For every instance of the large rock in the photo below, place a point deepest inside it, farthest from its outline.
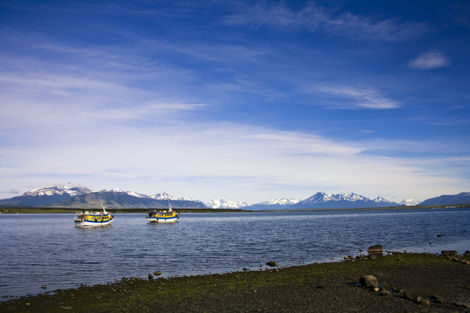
(376, 249)
(369, 281)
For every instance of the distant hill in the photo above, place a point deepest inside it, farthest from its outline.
(461, 198)
(81, 197)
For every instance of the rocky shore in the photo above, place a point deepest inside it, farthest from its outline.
(397, 282)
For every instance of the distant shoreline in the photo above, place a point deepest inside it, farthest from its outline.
(54, 210)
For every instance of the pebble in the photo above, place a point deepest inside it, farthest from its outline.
(271, 263)
(369, 281)
(157, 273)
(449, 253)
(438, 299)
(375, 249)
(463, 304)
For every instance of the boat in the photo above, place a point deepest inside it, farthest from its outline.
(162, 216)
(93, 218)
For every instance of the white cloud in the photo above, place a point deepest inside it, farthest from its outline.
(361, 97)
(315, 18)
(429, 60)
(205, 161)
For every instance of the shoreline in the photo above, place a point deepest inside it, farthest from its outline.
(55, 210)
(405, 280)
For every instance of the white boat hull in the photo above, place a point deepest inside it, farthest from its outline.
(162, 219)
(94, 224)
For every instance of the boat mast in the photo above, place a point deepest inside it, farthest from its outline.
(102, 206)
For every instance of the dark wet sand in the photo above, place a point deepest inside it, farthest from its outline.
(327, 287)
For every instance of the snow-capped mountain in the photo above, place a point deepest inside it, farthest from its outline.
(162, 196)
(46, 196)
(409, 202)
(281, 201)
(225, 204)
(81, 197)
(58, 190)
(341, 200)
(127, 192)
(273, 204)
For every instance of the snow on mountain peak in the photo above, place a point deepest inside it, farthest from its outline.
(225, 204)
(163, 196)
(58, 190)
(321, 197)
(127, 192)
(409, 202)
(281, 201)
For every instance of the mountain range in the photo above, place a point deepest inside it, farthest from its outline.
(82, 197)
(461, 198)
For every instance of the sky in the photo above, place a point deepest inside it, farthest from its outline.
(244, 100)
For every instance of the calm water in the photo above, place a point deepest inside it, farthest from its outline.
(49, 250)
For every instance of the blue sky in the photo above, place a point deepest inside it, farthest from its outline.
(242, 100)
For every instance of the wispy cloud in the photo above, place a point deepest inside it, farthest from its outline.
(429, 60)
(316, 18)
(359, 98)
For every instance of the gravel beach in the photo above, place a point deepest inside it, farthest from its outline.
(403, 283)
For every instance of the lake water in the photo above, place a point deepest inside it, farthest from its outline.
(48, 250)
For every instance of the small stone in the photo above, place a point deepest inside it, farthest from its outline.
(271, 263)
(419, 299)
(463, 304)
(150, 276)
(376, 289)
(425, 301)
(157, 273)
(376, 249)
(407, 295)
(369, 281)
(438, 299)
(449, 253)
(43, 287)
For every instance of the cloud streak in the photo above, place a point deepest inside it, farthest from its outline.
(315, 18)
(363, 98)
